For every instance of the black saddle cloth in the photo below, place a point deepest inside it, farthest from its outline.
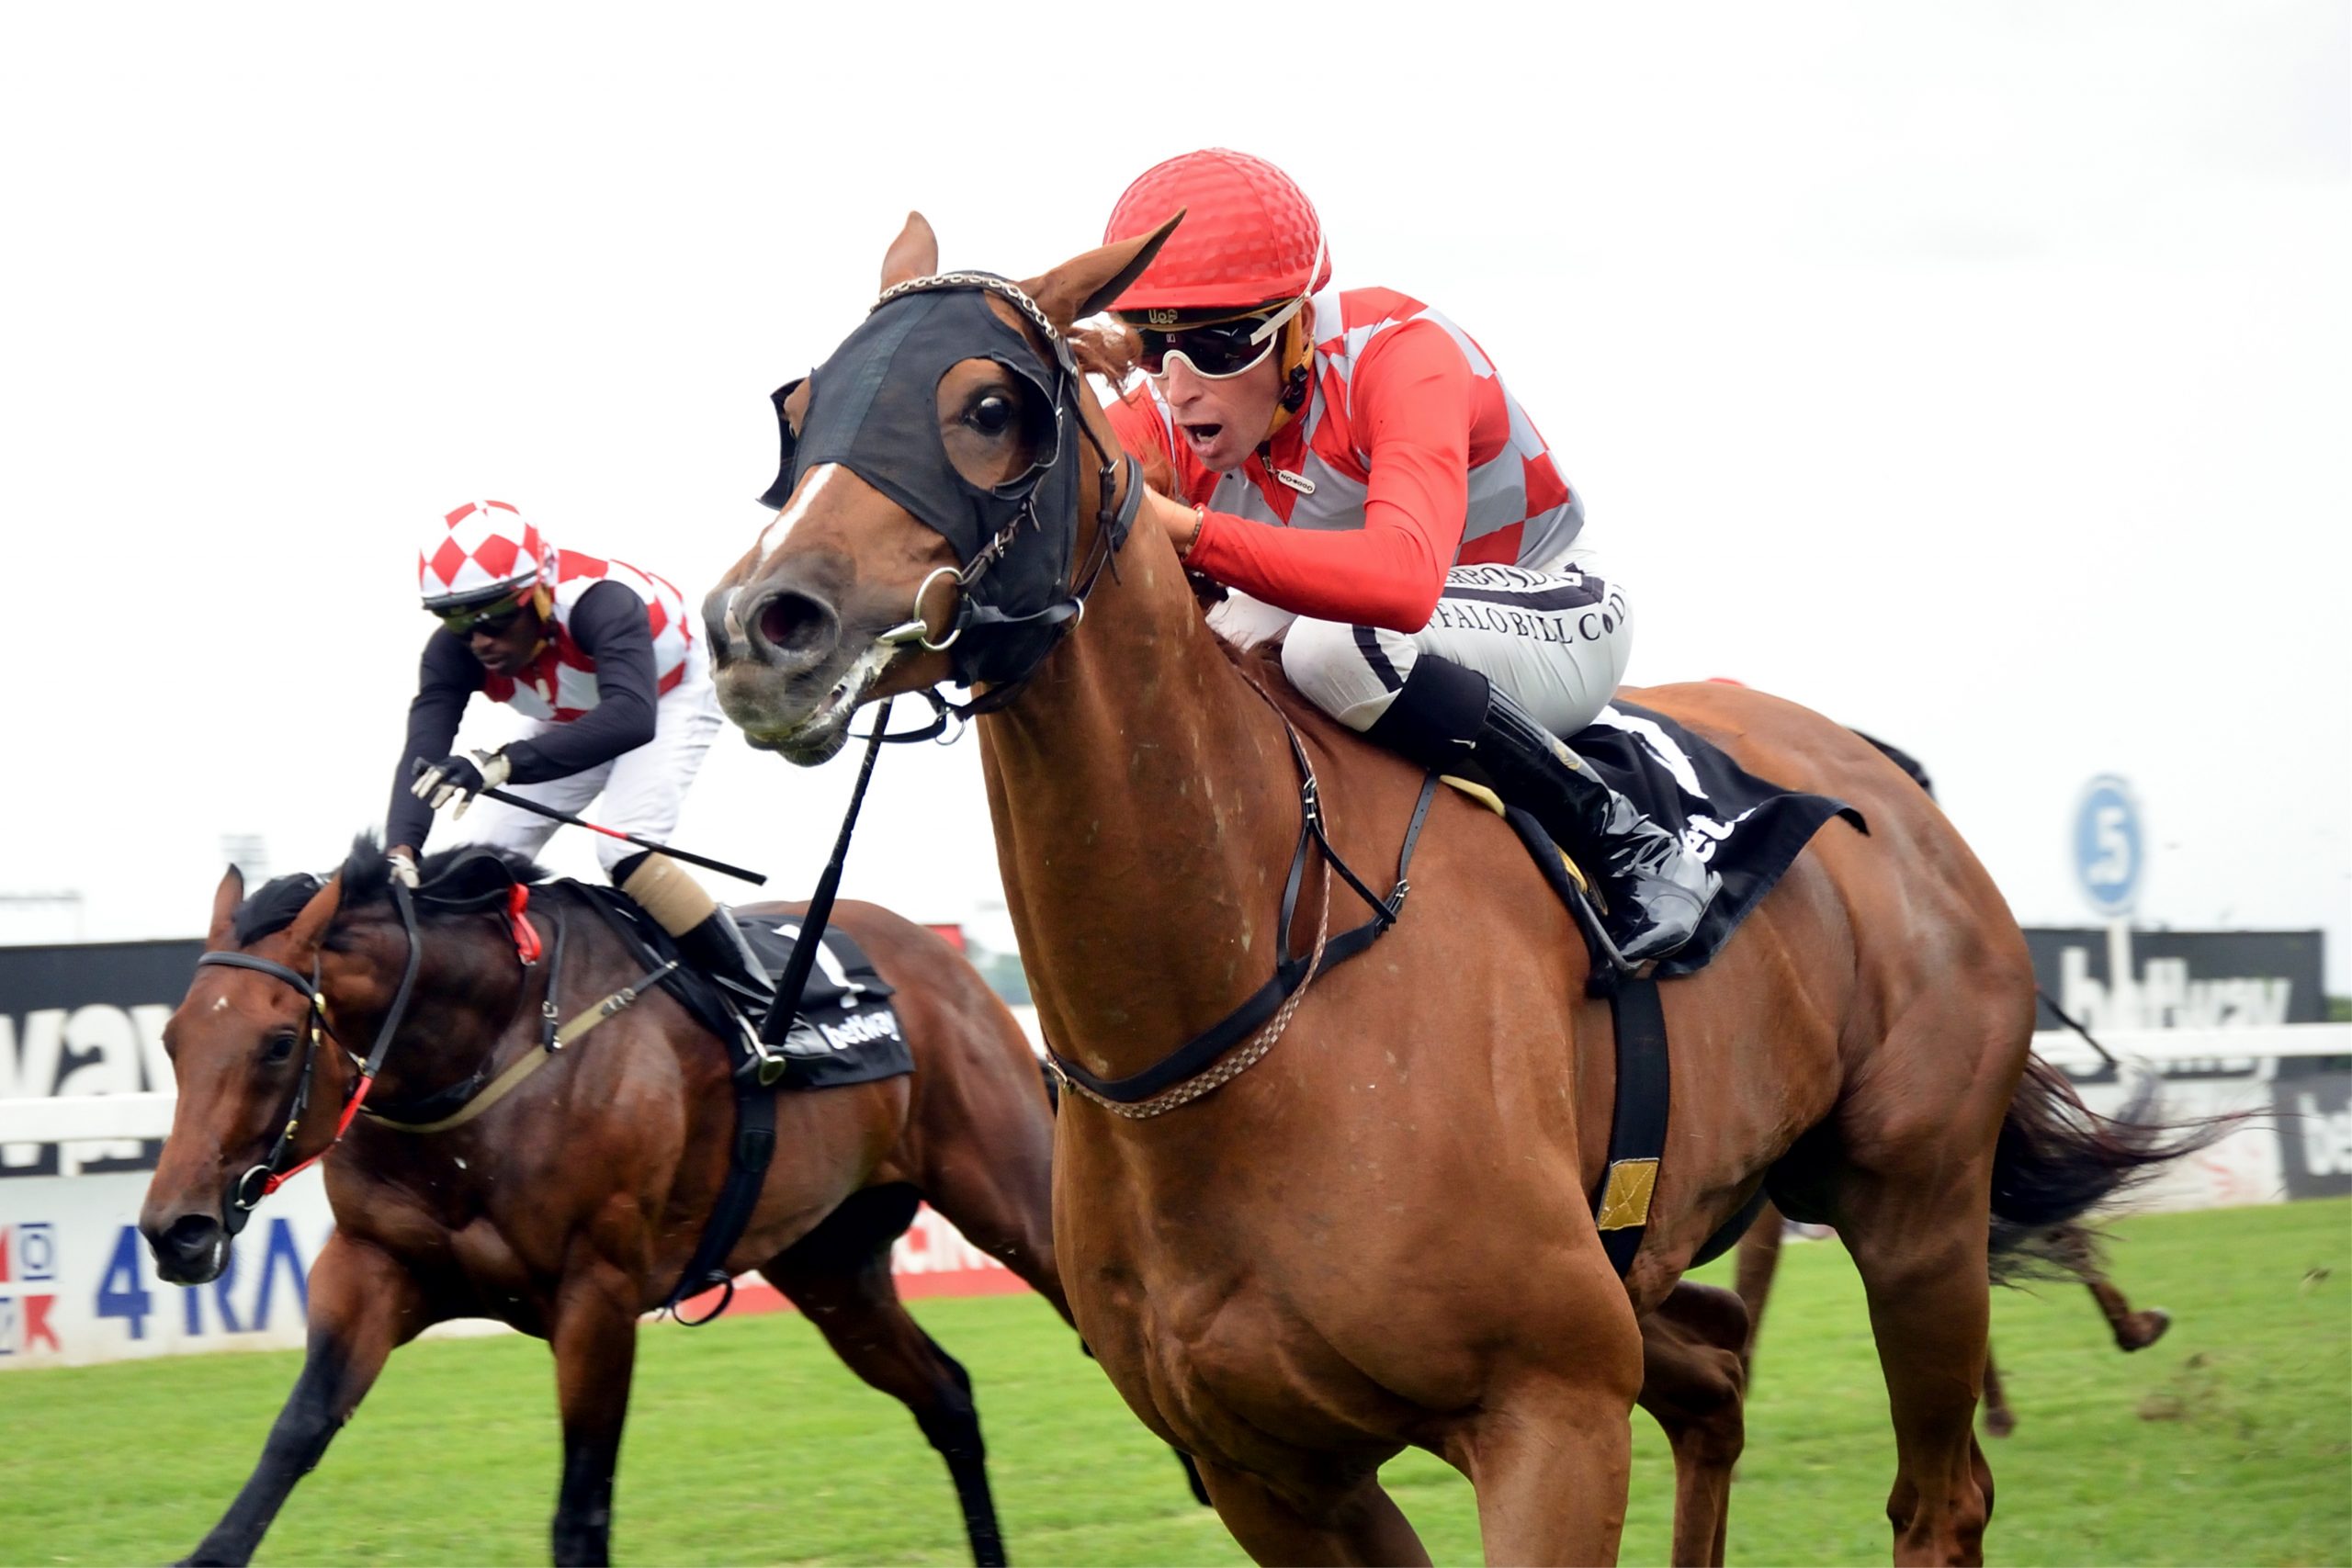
(1748, 830)
(845, 1031)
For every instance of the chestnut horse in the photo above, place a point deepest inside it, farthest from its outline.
(1381, 1232)
(572, 1205)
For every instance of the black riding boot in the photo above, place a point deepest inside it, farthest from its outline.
(1452, 718)
(716, 948)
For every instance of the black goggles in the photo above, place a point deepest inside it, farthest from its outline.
(1213, 350)
(492, 618)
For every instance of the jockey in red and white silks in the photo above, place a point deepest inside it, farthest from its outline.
(602, 657)
(1350, 464)
(1358, 557)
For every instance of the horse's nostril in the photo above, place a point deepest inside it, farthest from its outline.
(191, 1234)
(792, 622)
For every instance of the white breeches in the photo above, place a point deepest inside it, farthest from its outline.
(1556, 641)
(642, 790)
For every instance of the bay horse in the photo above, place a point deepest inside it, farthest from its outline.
(572, 1205)
(1380, 1234)
(2069, 1249)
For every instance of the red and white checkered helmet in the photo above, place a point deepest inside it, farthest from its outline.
(484, 552)
(1250, 235)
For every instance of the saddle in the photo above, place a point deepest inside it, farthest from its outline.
(1746, 829)
(844, 1030)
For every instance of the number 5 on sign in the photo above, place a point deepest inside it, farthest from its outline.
(2110, 846)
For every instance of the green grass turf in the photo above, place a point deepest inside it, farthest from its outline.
(2229, 1441)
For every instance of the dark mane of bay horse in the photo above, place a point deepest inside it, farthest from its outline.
(366, 879)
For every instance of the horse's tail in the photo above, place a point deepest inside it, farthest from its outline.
(2057, 1160)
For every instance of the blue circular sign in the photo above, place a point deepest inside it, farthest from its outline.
(2110, 846)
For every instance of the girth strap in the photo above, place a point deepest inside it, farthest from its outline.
(1637, 1123)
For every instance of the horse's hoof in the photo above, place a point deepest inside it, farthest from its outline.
(2147, 1326)
(1999, 1423)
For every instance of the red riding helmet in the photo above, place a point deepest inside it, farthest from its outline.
(1250, 235)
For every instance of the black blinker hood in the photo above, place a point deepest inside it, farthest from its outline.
(872, 409)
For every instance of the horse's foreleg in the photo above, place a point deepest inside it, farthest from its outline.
(858, 1311)
(1549, 1457)
(595, 1352)
(1693, 1386)
(362, 1304)
(1358, 1524)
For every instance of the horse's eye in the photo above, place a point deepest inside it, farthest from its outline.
(280, 1047)
(992, 415)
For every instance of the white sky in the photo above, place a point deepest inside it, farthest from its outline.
(1978, 374)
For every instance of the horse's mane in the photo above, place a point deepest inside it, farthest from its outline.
(272, 906)
(366, 879)
(1106, 346)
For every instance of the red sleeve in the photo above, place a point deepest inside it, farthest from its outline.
(1412, 399)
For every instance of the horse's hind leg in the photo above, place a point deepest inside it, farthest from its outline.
(856, 1306)
(1360, 1523)
(1999, 1419)
(1921, 1256)
(363, 1303)
(995, 1185)
(2132, 1330)
(1759, 1258)
(1693, 1385)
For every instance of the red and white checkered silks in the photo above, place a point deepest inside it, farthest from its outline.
(561, 684)
(1521, 513)
(482, 550)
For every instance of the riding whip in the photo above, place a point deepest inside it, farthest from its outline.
(552, 815)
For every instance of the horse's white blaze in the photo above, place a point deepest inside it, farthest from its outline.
(777, 532)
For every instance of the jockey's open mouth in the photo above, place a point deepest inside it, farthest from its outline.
(1202, 436)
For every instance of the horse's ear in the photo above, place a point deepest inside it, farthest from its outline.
(1083, 285)
(225, 900)
(311, 923)
(914, 254)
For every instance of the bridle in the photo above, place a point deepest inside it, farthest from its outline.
(1117, 507)
(1115, 515)
(260, 1180)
